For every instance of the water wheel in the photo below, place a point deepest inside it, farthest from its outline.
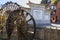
(21, 19)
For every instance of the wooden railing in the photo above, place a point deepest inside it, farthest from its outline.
(52, 33)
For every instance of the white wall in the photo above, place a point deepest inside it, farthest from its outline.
(40, 14)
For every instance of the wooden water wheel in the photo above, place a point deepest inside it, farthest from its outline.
(21, 19)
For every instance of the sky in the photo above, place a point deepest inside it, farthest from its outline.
(21, 2)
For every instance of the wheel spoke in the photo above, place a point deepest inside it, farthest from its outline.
(24, 35)
(29, 20)
(26, 15)
(21, 34)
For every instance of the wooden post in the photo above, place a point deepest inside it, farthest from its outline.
(49, 34)
(56, 35)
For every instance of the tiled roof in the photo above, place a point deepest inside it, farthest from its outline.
(32, 2)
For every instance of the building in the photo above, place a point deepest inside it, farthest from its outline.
(40, 13)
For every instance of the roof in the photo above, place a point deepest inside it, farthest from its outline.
(25, 7)
(32, 3)
(35, 3)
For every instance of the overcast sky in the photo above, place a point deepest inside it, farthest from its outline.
(21, 2)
